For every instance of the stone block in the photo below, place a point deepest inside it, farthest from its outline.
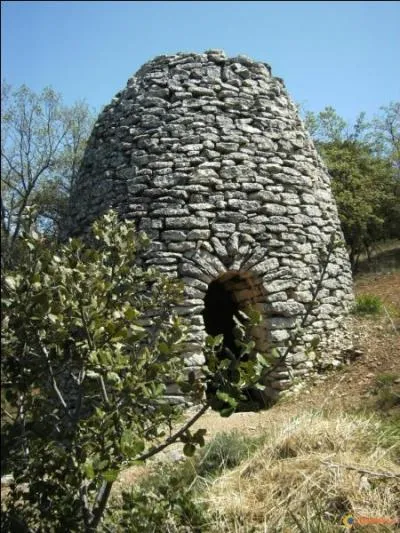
(288, 309)
(185, 223)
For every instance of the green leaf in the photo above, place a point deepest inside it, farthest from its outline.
(262, 359)
(138, 447)
(274, 353)
(10, 282)
(164, 348)
(198, 437)
(110, 475)
(41, 299)
(131, 313)
(88, 468)
(227, 411)
(214, 342)
(104, 357)
(189, 449)
(113, 377)
(225, 397)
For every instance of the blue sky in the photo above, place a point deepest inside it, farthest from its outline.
(344, 54)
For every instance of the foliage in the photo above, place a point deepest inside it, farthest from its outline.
(87, 376)
(89, 341)
(385, 134)
(364, 164)
(161, 502)
(42, 144)
(225, 451)
(364, 190)
(167, 499)
(326, 126)
(368, 304)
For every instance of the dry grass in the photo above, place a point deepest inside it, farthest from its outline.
(294, 483)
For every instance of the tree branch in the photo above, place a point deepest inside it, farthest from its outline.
(104, 493)
(390, 320)
(100, 505)
(104, 391)
(53, 379)
(8, 414)
(175, 436)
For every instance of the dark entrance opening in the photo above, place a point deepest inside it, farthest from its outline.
(226, 296)
(219, 310)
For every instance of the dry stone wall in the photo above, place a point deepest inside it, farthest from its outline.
(208, 154)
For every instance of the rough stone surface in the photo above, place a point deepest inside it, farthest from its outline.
(208, 154)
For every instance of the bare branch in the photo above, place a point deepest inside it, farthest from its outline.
(103, 390)
(175, 436)
(13, 418)
(53, 379)
(390, 320)
(104, 493)
(35, 146)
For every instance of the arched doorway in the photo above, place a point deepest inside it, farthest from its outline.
(228, 294)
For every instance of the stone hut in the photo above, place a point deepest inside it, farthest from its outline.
(208, 154)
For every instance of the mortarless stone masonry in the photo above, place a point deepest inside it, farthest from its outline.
(208, 154)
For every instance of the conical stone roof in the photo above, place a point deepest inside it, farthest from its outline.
(210, 157)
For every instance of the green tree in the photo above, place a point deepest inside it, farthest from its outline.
(42, 142)
(326, 126)
(385, 134)
(363, 161)
(363, 187)
(89, 342)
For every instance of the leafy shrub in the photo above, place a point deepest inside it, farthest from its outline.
(166, 500)
(225, 451)
(161, 503)
(368, 304)
(88, 377)
(89, 341)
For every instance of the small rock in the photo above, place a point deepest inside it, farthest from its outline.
(176, 455)
(364, 483)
